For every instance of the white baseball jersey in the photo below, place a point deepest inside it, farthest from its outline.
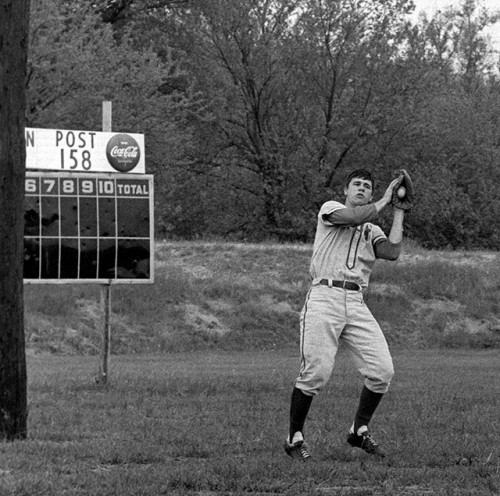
(344, 253)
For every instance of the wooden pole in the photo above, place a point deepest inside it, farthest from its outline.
(105, 288)
(106, 333)
(14, 405)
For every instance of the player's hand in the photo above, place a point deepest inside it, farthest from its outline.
(386, 199)
(388, 192)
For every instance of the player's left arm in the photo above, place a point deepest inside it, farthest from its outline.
(390, 248)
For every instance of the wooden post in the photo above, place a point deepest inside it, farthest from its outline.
(105, 288)
(106, 333)
(14, 23)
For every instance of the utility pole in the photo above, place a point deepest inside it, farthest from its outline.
(14, 30)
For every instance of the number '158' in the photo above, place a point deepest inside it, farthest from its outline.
(73, 159)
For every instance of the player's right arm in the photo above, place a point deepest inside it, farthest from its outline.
(346, 216)
(336, 214)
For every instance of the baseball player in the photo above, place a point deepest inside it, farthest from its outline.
(346, 247)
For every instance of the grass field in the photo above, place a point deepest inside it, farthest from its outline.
(213, 422)
(202, 370)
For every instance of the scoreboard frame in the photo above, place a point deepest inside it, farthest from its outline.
(91, 227)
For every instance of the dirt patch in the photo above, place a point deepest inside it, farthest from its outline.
(203, 321)
(388, 290)
(270, 303)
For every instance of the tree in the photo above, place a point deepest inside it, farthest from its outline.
(245, 81)
(14, 22)
(297, 88)
(76, 62)
(456, 38)
(117, 12)
(254, 109)
(451, 140)
(346, 52)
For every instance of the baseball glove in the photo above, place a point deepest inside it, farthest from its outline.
(406, 201)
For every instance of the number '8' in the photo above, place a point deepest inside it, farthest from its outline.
(68, 186)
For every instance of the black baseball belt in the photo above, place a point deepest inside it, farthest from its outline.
(351, 286)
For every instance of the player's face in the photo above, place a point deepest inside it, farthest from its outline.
(359, 192)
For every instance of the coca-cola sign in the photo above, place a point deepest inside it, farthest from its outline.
(123, 152)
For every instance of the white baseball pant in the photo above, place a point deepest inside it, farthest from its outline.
(331, 315)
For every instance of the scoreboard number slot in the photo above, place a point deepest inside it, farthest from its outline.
(88, 227)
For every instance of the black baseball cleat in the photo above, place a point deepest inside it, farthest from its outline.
(298, 449)
(364, 441)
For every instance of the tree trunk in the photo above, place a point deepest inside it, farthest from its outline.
(14, 24)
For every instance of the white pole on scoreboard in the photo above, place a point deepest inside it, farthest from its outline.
(105, 288)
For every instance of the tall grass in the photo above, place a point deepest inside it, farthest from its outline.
(474, 287)
(237, 296)
(441, 300)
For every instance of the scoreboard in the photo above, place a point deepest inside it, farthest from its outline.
(88, 227)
